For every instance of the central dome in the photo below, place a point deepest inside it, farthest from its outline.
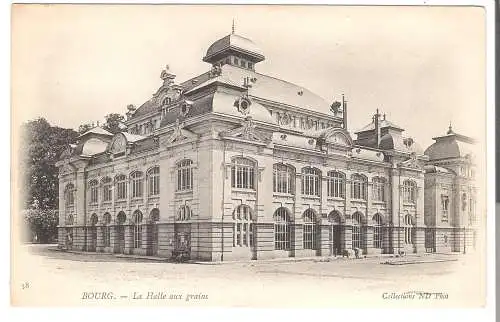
(234, 44)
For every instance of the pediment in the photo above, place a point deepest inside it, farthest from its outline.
(247, 132)
(337, 136)
(412, 162)
(179, 134)
(118, 144)
(67, 169)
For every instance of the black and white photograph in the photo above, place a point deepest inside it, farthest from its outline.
(256, 156)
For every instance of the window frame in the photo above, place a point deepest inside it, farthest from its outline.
(184, 175)
(107, 189)
(311, 182)
(184, 213)
(336, 182)
(121, 187)
(243, 226)
(378, 231)
(69, 195)
(379, 189)
(359, 187)
(310, 230)
(408, 229)
(282, 229)
(107, 229)
(153, 181)
(137, 184)
(409, 191)
(93, 192)
(137, 224)
(283, 179)
(243, 171)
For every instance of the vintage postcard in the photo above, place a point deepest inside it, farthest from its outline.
(259, 156)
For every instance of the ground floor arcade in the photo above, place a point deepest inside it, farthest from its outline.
(223, 241)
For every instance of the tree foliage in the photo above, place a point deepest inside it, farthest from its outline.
(40, 148)
(42, 224)
(114, 123)
(85, 127)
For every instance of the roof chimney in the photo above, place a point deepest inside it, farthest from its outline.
(377, 128)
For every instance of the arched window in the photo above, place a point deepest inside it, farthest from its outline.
(107, 229)
(121, 218)
(408, 229)
(137, 229)
(137, 184)
(358, 234)
(377, 231)
(94, 191)
(281, 229)
(70, 220)
(336, 184)
(69, 195)
(243, 226)
(311, 232)
(242, 173)
(154, 215)
(379, 189)
(184, 213)
(121, 187)
(154, 181)
(409, 191)
(107, 189)
(185, 175)
(311, 181)
(283, 178)
(358, 187)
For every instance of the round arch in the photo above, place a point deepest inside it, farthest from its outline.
(336, 218)
(94, 219)
(121, 218)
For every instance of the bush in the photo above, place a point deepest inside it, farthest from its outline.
(42, 224)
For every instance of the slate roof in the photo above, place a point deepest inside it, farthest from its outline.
(96, 130)
(237, 43)
(382, 124)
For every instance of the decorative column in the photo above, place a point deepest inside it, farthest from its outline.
(346, 239)
(419, 241)
(129, 239)
(369, 224)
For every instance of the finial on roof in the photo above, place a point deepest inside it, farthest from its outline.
(232, 29)
(450, 130)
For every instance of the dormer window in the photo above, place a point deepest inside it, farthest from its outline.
(166, 101)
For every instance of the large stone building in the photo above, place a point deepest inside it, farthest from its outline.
(234, 164)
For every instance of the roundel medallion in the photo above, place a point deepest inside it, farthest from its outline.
(243, 105)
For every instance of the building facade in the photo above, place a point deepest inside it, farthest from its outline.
(234, 164)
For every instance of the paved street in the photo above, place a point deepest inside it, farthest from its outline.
(58, 278)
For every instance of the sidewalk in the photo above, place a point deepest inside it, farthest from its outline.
(389, 259)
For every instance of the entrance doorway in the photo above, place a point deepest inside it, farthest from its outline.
(335, 233)
(120, 232)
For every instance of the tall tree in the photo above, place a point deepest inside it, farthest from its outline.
(114, 123)
(85, 127)
(40, 148)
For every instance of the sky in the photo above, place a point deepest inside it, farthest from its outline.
(422, 66)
